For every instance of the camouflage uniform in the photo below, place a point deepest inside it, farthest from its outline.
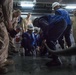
(4, 38)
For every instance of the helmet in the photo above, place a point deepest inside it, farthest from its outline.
(36, 29)
(55, 4)
(30, 27)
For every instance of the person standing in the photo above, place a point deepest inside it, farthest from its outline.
(62, 12)
(15, 16)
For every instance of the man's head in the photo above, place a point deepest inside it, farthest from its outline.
(36, 22)
(55, 5)
(36, 29)
(30, 28)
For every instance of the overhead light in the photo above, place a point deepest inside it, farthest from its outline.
(27, 5)
(70, 7)
(34, 1)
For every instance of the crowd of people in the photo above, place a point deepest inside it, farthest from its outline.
(38, 37)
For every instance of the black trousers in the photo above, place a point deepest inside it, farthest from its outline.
(54, 34)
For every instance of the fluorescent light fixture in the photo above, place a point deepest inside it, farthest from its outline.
(34, 1)
(27, 5)
(70, 7)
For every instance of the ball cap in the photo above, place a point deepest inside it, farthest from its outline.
(55, 4)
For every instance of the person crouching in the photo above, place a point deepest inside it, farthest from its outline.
(28, 40)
